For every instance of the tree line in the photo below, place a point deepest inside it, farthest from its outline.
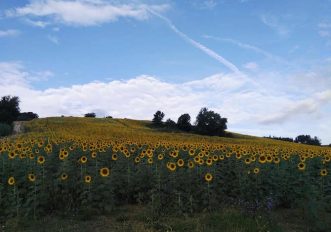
(207, 122)
(303, 139)
(10, 112)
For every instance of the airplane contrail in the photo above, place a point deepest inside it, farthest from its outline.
(198, 45)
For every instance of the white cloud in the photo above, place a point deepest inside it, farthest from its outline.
(251, 66)
(82, 13)
(9, 33)
(37, 23)
(53, 39)
(273, 22)
(260, 110)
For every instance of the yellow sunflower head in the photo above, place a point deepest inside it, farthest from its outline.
(104, 172)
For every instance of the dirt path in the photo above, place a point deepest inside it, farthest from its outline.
(18, 127)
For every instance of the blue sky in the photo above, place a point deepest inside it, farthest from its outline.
(266, 65)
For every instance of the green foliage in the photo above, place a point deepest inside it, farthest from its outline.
(5, 129)
(184, 122)
(170, 124)
(158, 117)
(27, 116)
(210, 123)
(9, 109)
(307, 139)
(90, 115)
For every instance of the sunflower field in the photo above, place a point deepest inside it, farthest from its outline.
(74, 164)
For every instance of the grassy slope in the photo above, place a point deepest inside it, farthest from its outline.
(138, 127)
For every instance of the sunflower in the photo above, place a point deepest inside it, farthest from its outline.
(65, 154)
(160, 157)
(256, 170)
(83, 159)
(208, 177)
(221, 157)
(41, 159)
(209, 162)
(137, 159)
(323, 172)
(114, 156)
(87, 179)
(94, 155)
(269, 158)
(11, 180)
(247, 161)
(171, 166)
(238, 155)
(11, 155)
(215, 157)
(150, 160)
(301, 166)
(104, 172)
(180, 163)
(32, 177)
(262, 159)
(61, 156)
(190, 164)
(64, 176)
(191, 152)
(276, 160)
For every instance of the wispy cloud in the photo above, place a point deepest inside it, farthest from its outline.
(37, 23)
(251, 66)
(53, 39)
(248, 47)
(198, 45)
(324, 31)
(9, 33)
(82, 13)
(273, 22)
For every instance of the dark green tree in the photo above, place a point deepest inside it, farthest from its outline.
(9, 109)
(158, 117)
(210, 123)
(90, 115)
(307, 139)
(26, 116)
(184, 122)
(171, 124)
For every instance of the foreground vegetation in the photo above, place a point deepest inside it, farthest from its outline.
(68, 166)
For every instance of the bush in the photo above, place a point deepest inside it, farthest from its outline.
(5, 129)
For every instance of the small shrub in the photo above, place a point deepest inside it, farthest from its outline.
(5, 129)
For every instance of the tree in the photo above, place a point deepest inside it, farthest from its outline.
(9, 109)
(170, 124)
(184, 122)
(158, 117)
(90, 115)
(307, 139)
(210, 123)
(26, 116)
